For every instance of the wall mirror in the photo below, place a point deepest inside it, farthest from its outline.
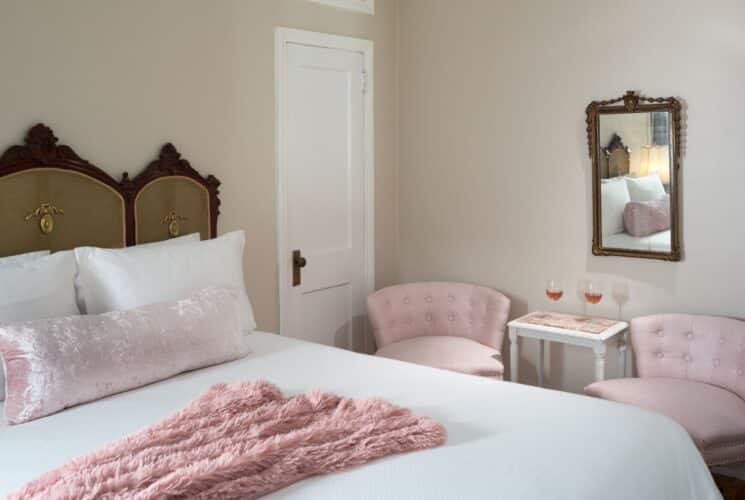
(634, 145)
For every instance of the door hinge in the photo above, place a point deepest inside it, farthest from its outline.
(364, 82)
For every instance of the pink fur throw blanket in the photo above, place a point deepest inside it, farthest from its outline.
(241, 440)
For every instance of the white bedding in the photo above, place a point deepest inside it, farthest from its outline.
(655, 242)
(506, 441)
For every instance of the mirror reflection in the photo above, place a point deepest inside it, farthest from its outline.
(635, 166)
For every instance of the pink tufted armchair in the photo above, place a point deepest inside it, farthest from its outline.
(692, 369)
(452, 326)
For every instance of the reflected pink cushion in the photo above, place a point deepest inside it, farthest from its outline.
(642, 218)
(56, 363)
(714, 417)
(449, 353)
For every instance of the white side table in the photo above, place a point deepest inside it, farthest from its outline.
(583, 331)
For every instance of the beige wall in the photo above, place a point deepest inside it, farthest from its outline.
(117, 79)
(494, 171)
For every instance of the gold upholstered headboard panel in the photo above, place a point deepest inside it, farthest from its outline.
(170, 199)
(52, 199)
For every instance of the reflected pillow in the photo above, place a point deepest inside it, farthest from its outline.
(56, 363)
(647, 217)
(647, 188)
(613, 199)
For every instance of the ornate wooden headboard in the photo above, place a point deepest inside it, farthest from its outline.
(52, 199)
(616, 156)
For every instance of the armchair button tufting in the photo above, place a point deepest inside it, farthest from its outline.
(721, 340)
(690, 336)
(451, 299)
(428, 298)
(451, 317)
(406, 300)
(428, 317)
(660, 333)
(660, 355)
(740, 371)
(687, 358)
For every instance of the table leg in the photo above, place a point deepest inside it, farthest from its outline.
(539, 363)
(599, 362)
(514, 354)
(622, 349)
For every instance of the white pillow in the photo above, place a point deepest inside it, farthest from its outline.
(647, 188)
(120, 279)
(605, 180)
(22, 258)
(40, 288)
(173, 241)
(613, 199)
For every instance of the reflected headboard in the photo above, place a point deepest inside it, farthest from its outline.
(52, 199)
(616, 158)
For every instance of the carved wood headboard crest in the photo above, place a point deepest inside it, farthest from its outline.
(52, 199)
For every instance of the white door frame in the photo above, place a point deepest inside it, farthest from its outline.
(283, 37)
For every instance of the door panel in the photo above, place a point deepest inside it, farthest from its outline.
(325, 205)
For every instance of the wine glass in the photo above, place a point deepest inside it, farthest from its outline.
(554, 291)
(593, 293)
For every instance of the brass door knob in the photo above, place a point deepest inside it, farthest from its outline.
(298, 262)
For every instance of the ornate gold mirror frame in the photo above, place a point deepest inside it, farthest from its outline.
(632, 102)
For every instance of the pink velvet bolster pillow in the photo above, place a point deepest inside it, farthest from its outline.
(56, 363)
(642, 218)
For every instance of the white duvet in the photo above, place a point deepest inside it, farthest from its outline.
(506, 441)
(655, 242)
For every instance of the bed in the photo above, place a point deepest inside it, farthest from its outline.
(655, 242)
(505, 440)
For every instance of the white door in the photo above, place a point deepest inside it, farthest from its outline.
(322, 192)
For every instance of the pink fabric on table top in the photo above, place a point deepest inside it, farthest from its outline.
(714, 417)
(702, 348)
(575, 322)
(56, 363)
(642, 218)
(438, 309)
(242, 440)
(449, 353)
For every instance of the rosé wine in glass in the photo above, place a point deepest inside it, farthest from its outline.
(593, 294)
(554, 291)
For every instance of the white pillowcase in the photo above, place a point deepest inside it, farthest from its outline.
(613, 198)
(22, 258)
(173, 241)
(121, 279)
(647, 188)
(39, 288)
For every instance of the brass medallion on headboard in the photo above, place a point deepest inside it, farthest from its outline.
(170, 198)
(52, 199)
